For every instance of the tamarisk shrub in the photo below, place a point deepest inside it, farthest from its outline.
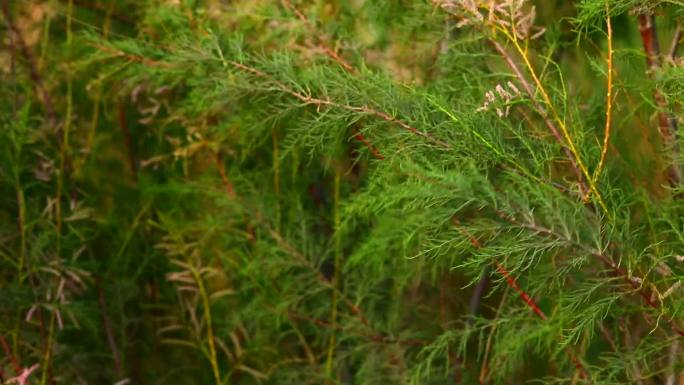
(341, 192)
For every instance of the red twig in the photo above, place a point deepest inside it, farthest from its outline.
(107, 324)
(523, 295)
(513, 284)
(667, 124)
(224, 176)
(373, 150)
(8, 352)
(230, 191)
(126, 132)
(637, 283)
(501, 270)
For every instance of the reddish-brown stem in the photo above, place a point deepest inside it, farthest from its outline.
(123, 125)
(504, 273)
(667, 124)
(373, 150)
(224, 176)
(513, 284)
(230, 191)
(638, 284)
(107, 325)
(8, 352)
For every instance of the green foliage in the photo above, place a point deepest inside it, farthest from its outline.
(264, 192)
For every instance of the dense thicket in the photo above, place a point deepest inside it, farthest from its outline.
(341, 192)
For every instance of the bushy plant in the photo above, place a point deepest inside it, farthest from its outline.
(341, 192)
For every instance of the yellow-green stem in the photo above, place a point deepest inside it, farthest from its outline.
(47, 357)
(64, 150)
(213, 360)
(22, 231)
(556, 117)
(336, 273)
(276, 175)
(609, 98)
(98, 85)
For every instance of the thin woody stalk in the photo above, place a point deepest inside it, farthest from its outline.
(213, 359)
(64, 144)
(529, 301)
(667, 124)
(638, 284)
(230, 192)
(537, 107)
(566, 140)
(336, 273)
(505, 19)
(332, 54)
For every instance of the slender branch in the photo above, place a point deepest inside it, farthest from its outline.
(672, 363)
(318, 36)
(529, 301)
(513, 284)
(540, 110)
(667, 124)
(638, 284)
(629, 344)
(107, 325)
(674, 45)
(308, 99)
(213, 360)
(336, 273)
(8, 352)
(535, 308)
(322, 279)
(301, 258)
(47, 355)
(566, 141)
(478, 292)
(609, 98)
(128, 141)
(336, 58)
(484, 371)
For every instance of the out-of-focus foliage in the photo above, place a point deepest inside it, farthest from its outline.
(315, 192)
